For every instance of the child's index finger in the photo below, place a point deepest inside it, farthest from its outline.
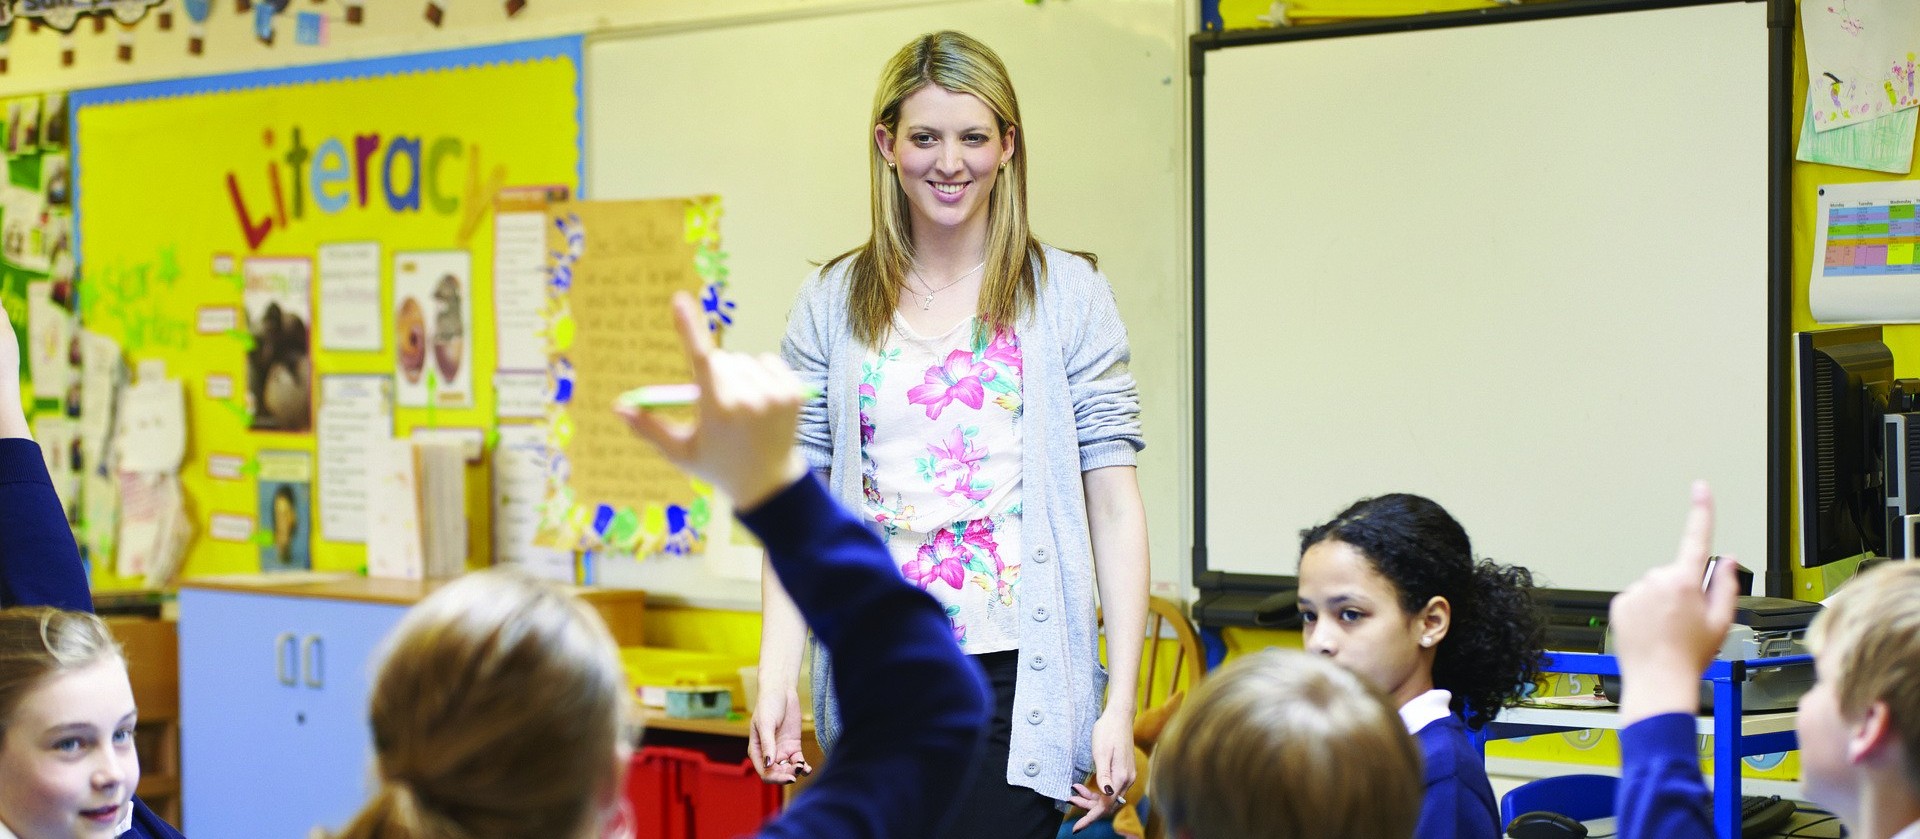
(1696, 540)
(692, 324)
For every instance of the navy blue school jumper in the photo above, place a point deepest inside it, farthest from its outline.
(40, 565)
(1459, 800)
(913, 709)
(1661, 790)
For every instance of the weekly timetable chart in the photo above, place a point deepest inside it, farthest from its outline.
(1866, 265)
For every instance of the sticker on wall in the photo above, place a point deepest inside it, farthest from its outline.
(197, 12)
(263, 16)
(310, 29)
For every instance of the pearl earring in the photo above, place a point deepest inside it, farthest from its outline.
(1426, 642)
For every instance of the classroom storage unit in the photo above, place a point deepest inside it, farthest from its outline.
(693, 786)
(274, 686)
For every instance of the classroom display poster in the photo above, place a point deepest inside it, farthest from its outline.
(1866, 260)
(286, 512)
(1861, 59)
(279, 305)
(614, 268)
(260, 233)
(432, 328)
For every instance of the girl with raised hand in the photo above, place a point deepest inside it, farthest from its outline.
(66, 707)
(68, 766)
(1390, 589)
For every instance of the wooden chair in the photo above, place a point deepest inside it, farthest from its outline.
(1171, 658)
(1171, 663)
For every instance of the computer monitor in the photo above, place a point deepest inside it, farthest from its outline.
(1841, 381)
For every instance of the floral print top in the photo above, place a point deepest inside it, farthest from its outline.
(940, 459)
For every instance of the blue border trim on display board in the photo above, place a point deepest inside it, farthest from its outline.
(569, 47)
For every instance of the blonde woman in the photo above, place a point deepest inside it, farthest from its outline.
(979, 413)
(499, 710)
(1283, 744)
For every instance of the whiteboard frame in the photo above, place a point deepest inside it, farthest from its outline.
(1228, 598)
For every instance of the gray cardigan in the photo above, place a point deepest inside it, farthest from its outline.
(1072, 337)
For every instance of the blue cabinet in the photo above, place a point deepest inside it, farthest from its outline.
(273, 710)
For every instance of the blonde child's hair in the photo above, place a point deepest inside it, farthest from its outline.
(1282, 744)
(1868, 643)
(956, 62)
(496, 714)
(38, 643)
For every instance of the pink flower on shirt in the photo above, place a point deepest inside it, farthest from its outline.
(979, 536)
(955, 464)
(1004, 349)
(941, 559)
(960, 378)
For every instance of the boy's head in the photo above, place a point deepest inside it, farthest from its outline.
(1283, 744)
(1861, 721)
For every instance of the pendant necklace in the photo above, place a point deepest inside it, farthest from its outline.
(926, 299)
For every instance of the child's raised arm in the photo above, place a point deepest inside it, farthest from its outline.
(39, 562)
(914, 706)
(1667, 628)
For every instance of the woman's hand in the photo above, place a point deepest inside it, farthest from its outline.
(1113, 768)
(773, 738)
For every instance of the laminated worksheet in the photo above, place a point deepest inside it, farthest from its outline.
(1866, 266)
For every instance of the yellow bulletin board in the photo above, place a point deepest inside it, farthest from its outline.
(201, 202)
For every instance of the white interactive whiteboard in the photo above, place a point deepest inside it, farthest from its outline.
(770, 113)
(1518, 267)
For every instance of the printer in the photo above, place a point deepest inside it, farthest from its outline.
(1763, 627)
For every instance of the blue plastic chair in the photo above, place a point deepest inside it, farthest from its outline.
(1578, 797)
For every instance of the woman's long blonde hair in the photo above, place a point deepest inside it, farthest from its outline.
(955, 62)
(496, 715)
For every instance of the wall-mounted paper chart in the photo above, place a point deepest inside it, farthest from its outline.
(1866, 262)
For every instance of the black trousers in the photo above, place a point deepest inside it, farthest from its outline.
(987, 807)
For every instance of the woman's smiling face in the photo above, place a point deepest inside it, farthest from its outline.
(947, 152)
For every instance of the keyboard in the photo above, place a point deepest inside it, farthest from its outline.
(1763, 815)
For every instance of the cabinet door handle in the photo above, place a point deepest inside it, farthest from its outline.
(313, 653)
(283, 658)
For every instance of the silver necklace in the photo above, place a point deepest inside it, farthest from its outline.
(926, 299)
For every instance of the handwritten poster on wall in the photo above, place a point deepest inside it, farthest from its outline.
(324, 197)
(614, 269)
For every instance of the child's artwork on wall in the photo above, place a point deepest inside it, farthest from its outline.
(23, 125)
(1860, 59)
(433, 328)
(279, 301)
